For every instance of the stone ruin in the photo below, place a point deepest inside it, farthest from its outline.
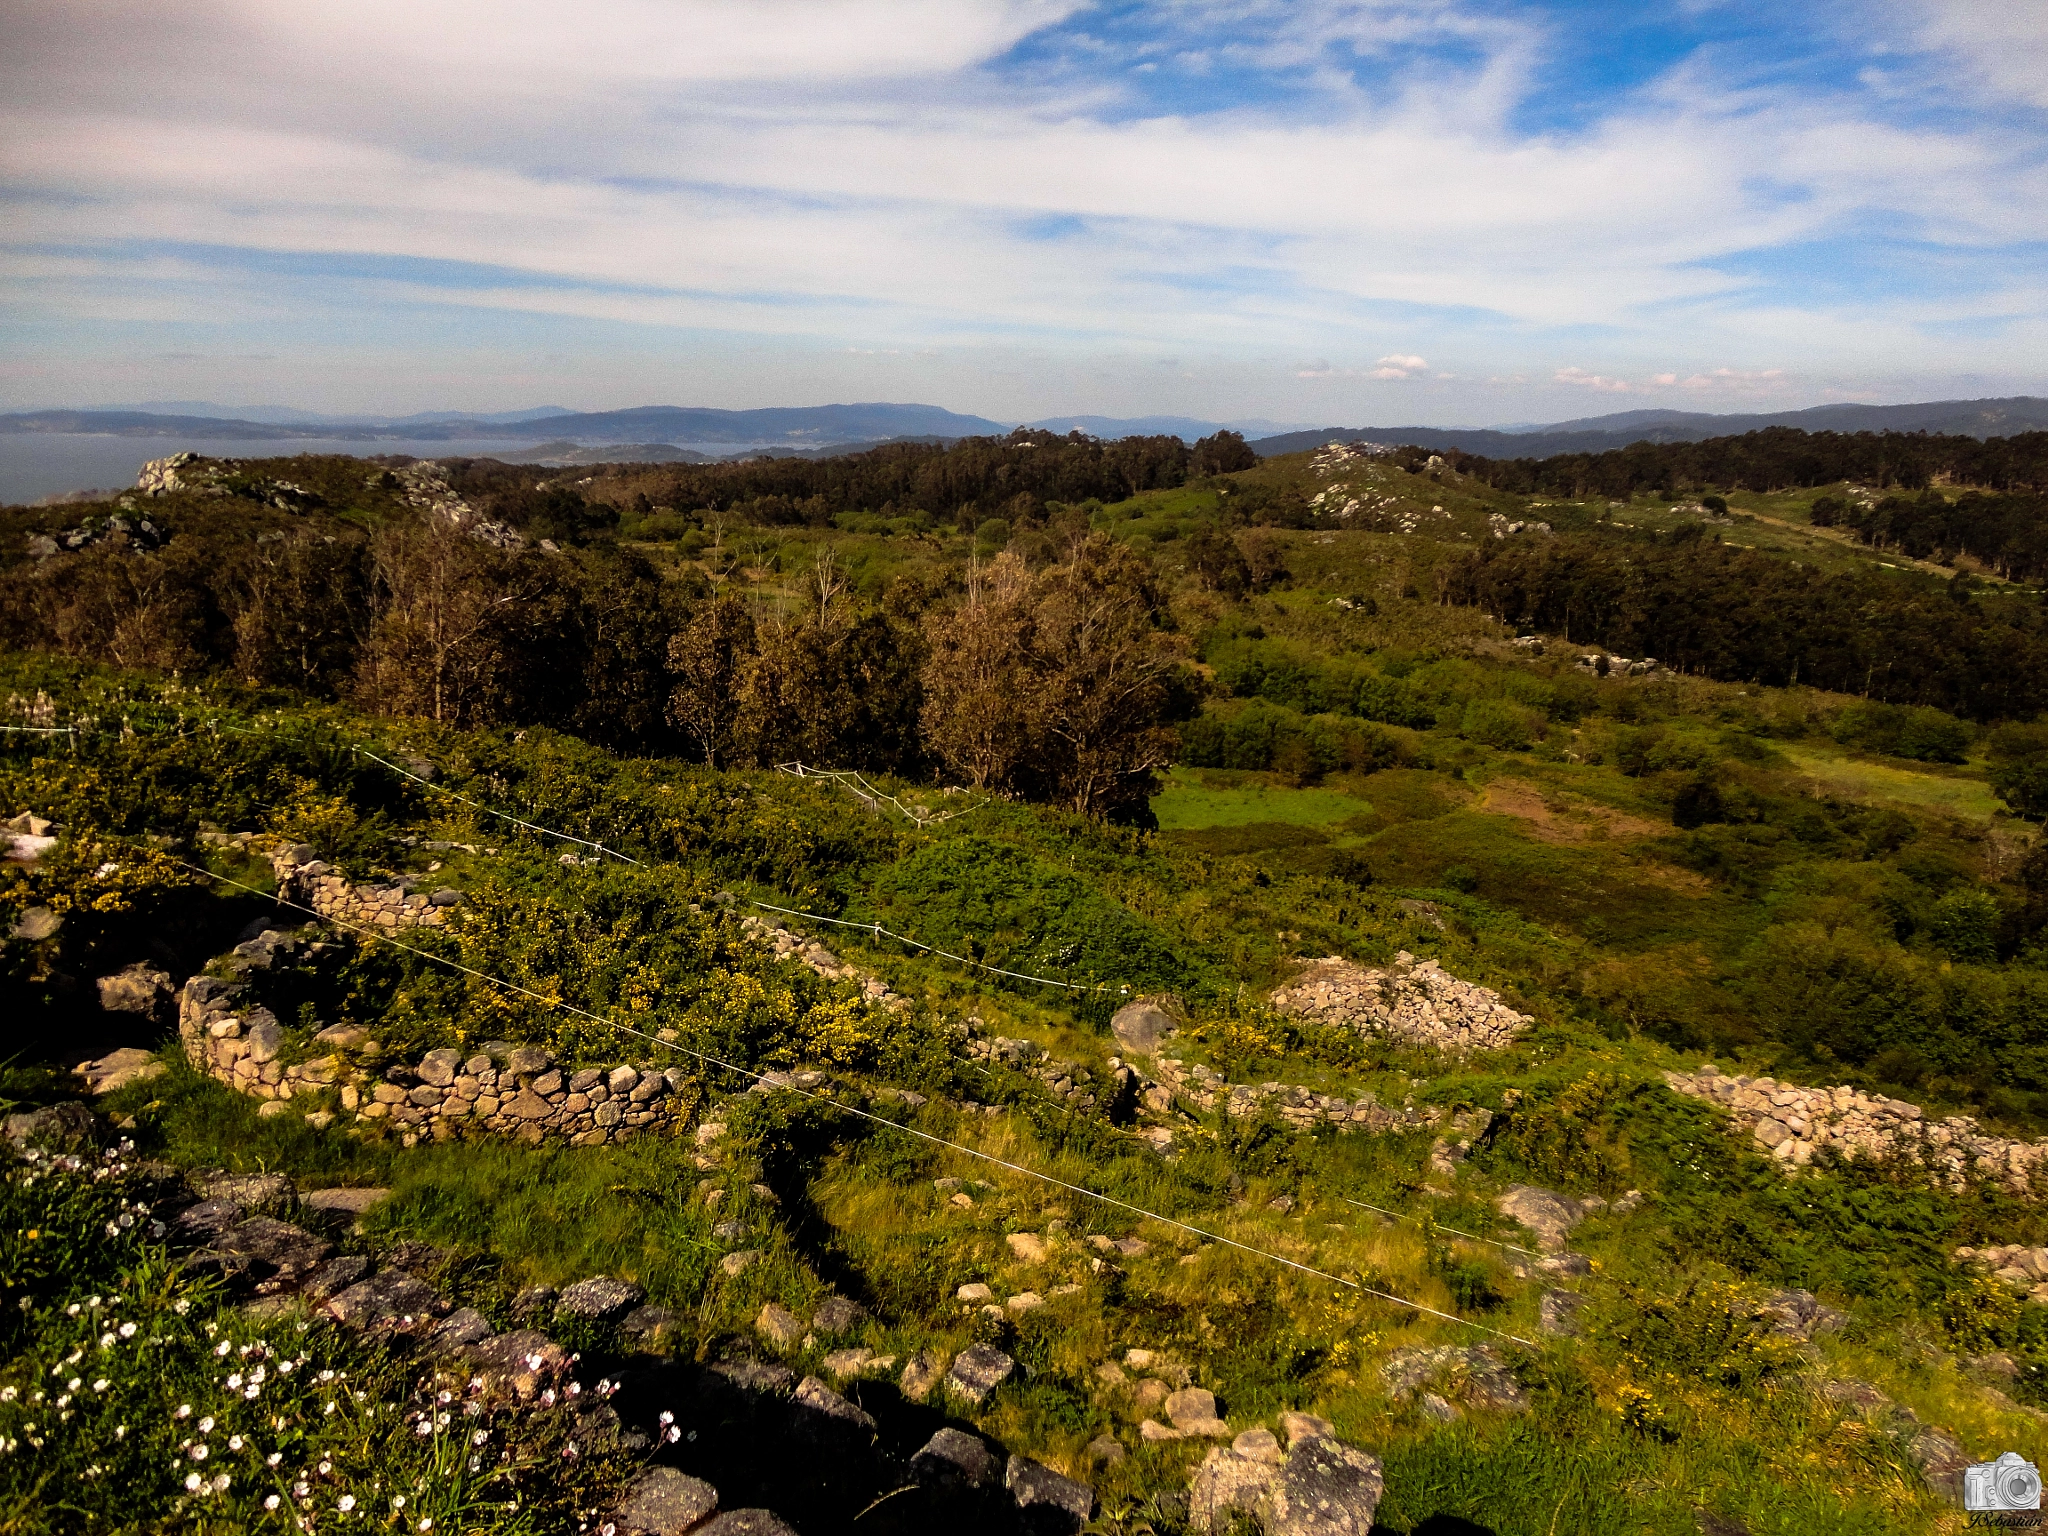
(1793, 1123)
(1417, 1001)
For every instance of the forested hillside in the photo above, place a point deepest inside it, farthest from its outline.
(1188, 976)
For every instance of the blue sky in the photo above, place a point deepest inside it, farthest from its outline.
(1332, 211)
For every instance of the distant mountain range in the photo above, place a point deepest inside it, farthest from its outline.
(669, 431)
(1596, 434)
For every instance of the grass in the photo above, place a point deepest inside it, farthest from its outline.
(1197, 798)
(1956, 793)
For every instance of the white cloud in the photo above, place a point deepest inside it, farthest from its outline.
(856, 170)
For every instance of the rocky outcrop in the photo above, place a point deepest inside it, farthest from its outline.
(1792, 1124)
(425, 487)
(1448, 1380)
(1318, 1486)
(1417, 1001)
(119, 531)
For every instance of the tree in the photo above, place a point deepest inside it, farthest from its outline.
(979, 707)
(300, 606)
(1226, 453)
(709, 658)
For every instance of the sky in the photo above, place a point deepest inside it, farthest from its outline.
(1329, 212)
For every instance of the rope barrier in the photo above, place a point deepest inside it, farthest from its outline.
(777, 1081)
(916, 813)
(880, 932)
(1404, 1216)
(488, 811)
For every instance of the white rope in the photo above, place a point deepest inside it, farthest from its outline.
(880, 932)
(916, 813)
(780, 1082)
(566, 837)
(1404, 1216)
(42, 730)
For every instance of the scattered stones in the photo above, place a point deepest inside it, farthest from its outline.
(746, 1522)
(1798, 1315)
(778, 1325)
(827, 1413)
(738, 1262)
(974, 1293)
(1028, 1247)
(979, 1370)
(54, 1125)
(141, 989)
(35, 923)
(664, 1502)
(1416, 1000)
(352, 1202)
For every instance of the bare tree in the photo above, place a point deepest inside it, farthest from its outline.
(710, 658)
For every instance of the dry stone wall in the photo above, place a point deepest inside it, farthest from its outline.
(497, 1088)
(1416, 1000)
(1793, 1123)
(313, 882)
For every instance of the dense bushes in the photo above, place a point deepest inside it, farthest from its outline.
(2009, 534)
(1258, 735)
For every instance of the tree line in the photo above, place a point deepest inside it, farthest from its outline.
(2006, 534)
(1060, 683)
(1729, 613)
(1774, 459)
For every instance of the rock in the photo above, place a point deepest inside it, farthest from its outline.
(460, 1330)
(118, 1069)
(1474, 1376)
(274, 1247)
(1305, 1426)
(263, 1035)
(1151, 1431)
(1025, 1301)
(1193, 1412)
(746, 1522)
(54, 1125)
(1415, 1000)
(1105, 1451)
(648, 1328)
(1139, 1027)
(251, 1191)
(738, 1262)
(1226, 1486)
(778, 1325)
(337, 1274)
(836, 1315)
(1324, 1488)
(35, 925)
(439, 1068)
(1260, 1445)
(974, 1291)
(518, 1363)
(825, 1412)
(528, 1060)
(1859, 1396)
(1940, 1460)
(1048, 1503)
(1028, 1247)
(664, 1502)
(1558, 1314)
(535, 1298)
(600, 1298)
(978, 1371)
(345, 1201)
(203, 1222)
(388, 1299)
(141, 990)
(1798, 1314)
(921, 1373)
(1544, 1212)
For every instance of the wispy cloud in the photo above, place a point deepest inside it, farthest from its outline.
(885, 178)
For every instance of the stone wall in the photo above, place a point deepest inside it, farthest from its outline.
(313, 882)
(1300, 1107)
(1417, 1000)
(496, 1088)
(1793, 1123)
